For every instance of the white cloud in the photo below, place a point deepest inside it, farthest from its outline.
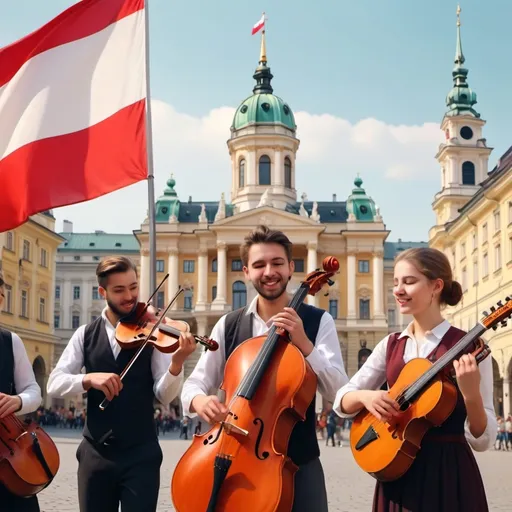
(331, 153)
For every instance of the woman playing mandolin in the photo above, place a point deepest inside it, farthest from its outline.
(444, 475)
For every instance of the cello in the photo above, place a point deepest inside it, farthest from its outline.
(426, 394)
(29, 459)
(240, 464)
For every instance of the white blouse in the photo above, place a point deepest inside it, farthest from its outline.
(372, 376)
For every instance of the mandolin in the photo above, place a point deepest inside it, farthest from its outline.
(426, 396)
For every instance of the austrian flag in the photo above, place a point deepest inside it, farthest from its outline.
(73, 109)
(261, 23)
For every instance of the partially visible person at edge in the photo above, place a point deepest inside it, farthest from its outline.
(119, 458)
(19, 394)
(444, 476)
(267, 263)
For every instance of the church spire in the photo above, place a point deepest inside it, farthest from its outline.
(262, 75)
(461, 98)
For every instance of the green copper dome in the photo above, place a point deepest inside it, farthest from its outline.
(168, 204)
(263, 107)
(359, 204)
(461, 98)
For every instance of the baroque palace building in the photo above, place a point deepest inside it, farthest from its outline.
(27, 260)
(198, 242)
(473, 227)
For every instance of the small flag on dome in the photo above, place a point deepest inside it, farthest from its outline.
(261, 23)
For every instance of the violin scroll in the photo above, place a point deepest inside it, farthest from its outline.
(318, 278)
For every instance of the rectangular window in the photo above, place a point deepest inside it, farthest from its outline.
(333, 308)
(236, 265)
(497, 257)
(462, 250)
(475, 272)
(75, 321)
(159, 265)
(93, 317)
(10, 241)
(364, 266)
(187, 302)
(214, 293)
(24, 303)
(484, 233)
(188, 266)
(160, 300)
(44, 258)
(8, 298)
(485, 265)
(57, 292)
(391, 317)
(77, 258)
(56, 321)
(510, 212)
(299, 265)
(464, 279)
(42, 309)
(96, 293)
(76, 292)
(364, 309)
(475, 241)
(26, 250)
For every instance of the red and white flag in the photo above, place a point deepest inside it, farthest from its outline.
(259, 25)
(72, 109)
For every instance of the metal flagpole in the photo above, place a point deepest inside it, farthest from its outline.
(149, 149)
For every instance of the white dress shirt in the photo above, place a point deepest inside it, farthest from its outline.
(372, 376)
(67, 379)
(325, 360)
(24, 379)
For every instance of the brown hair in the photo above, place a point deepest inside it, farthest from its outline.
(265, 235)
(113, 265)
(434, 264)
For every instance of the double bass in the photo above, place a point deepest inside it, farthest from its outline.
(29, 459)
(240, 464)
(426, 395)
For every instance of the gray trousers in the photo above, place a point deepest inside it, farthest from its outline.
(309, 489)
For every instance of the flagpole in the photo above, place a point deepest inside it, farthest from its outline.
(149, 151)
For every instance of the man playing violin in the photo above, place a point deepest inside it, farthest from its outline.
(19, 394)
(267, 258)
(119, 457)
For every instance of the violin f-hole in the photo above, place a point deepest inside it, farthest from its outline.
(264, 455)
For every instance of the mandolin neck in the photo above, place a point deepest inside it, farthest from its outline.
(251, 381)
(447, 358)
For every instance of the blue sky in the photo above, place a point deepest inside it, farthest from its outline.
(367, 81)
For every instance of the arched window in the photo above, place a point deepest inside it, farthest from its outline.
(468, 173)
(241, 173)
(239, 295)
(287, 173)
(264, 170)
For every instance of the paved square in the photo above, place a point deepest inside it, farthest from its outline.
(349, 489)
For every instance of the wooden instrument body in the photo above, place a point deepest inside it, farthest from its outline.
(20, 469)
(393, 451)
(132, 336)
(261, 476)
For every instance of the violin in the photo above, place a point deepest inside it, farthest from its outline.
(136, 332)
(427, 395)
(132, 334)
(241, 462)
(29, 459)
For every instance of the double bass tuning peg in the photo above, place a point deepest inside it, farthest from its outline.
(499, 303)
(504, 323)
(485, 313)
(493, 309)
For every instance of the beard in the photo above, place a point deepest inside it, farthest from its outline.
(273, 294)
(119, 312)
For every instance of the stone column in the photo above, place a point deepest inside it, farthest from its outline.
(506, 397)
(378, 285)
(173, 283)
(202, 280)
(85, 300)
(66, 301)
(50, 308)
(144, 276)
(278, 170)
(220, 301)
(351, 286)
(312, 265)
(251, 167)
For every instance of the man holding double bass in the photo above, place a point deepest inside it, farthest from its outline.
(267, 258)
(119, 457)
(19, 394)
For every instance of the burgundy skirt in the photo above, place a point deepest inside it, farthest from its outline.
(443, 478)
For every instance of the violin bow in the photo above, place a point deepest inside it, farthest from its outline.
(148, 302)
(106, 401)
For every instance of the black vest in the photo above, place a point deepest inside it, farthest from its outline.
(6, 363)
(303, 444)
(129, 417)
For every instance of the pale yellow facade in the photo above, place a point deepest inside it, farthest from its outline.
(27, 258)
